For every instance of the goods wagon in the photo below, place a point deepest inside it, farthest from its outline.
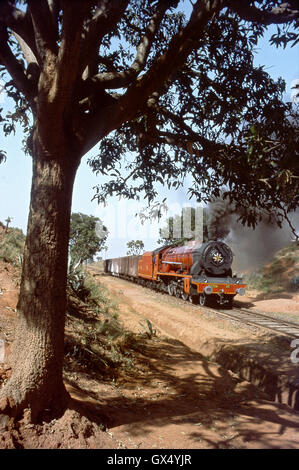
(125, 266)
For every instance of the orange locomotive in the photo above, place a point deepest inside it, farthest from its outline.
(194, 272)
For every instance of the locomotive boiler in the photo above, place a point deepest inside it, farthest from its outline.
(196, 272)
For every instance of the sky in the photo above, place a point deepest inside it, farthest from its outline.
(118, 216)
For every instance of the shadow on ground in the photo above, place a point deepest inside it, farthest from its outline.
(172, 384)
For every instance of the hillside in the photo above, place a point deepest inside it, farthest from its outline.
(280, 274)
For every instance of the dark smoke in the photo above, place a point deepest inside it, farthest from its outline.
(220, 219)
(251, 247)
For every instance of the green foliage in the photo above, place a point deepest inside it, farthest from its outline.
(87, 237)
(279, 274)
(149, 330)
(76, 281)
(12, 246)
(135, 247)
(213, 114)
(259, 281)
(82, 286)
(226, 125)
(98, 342)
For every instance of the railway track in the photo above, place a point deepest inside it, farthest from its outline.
(249, 317)
(259, 319)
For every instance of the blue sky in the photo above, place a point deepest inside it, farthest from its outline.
(15, 173)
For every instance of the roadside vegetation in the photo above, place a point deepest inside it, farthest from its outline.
(95, 341)
(12, 241)
(280, 274)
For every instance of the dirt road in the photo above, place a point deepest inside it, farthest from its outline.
(186, 401)
(173, 317)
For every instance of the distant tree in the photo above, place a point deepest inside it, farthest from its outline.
(105, 249)
(184, 227)
(135, 247)
(165, 93)
(87, 236)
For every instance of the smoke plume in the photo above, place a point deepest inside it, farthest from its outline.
(251, 247)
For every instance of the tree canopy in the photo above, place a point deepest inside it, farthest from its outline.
(135, 247)
(179, 93)
(87, 237)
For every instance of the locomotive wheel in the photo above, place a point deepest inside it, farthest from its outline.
(193, 299)
(170, 289)
(184, 296)
(178, 292)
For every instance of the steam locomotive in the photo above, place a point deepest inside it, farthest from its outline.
(196, 272)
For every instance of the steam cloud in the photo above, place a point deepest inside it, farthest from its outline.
(251, 247)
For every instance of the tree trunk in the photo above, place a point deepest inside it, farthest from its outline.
(37, 359)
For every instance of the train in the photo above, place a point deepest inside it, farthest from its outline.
(197, 272)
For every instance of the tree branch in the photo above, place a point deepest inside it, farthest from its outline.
(45, 32)
(15, 69)
(293, 229)
(184, 141)
(104, 19)
(284, 13)
(68, 64)
(161, 72)
(126, 77)
(181, 45)
(54, 7)
(33, 70)
(19, 22)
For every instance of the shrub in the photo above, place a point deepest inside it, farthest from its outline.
(12, 246)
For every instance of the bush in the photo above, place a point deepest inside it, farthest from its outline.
(83, 287)
(95, 340)
(12, 246)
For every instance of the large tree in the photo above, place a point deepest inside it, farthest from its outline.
(173, 95)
